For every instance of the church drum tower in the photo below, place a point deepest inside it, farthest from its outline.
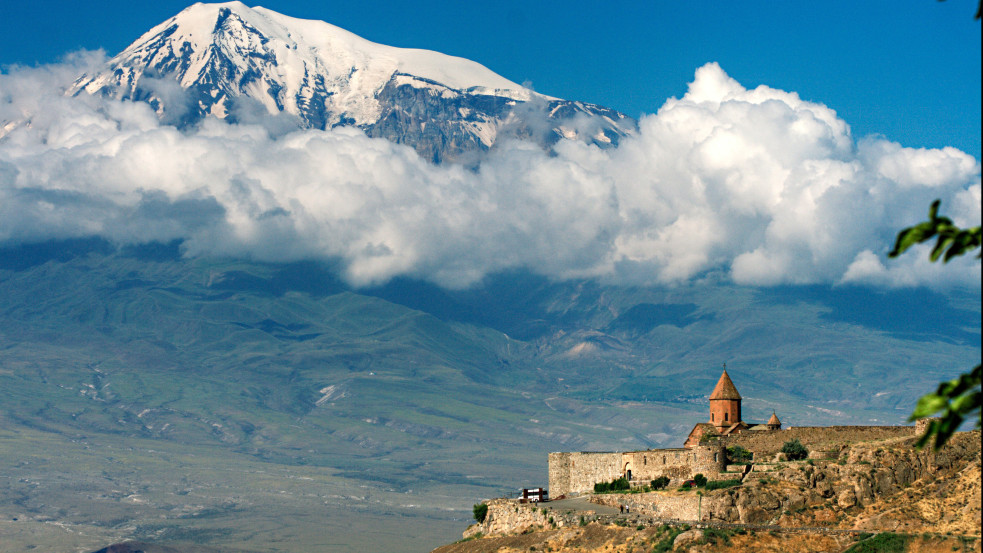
(725, 404)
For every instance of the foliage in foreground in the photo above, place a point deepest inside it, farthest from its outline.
(959, 398)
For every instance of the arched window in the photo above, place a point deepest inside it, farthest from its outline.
(663, 459)
(716, 457)
(645, 460)
(711, 417)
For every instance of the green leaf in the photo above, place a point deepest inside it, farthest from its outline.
(928, 405)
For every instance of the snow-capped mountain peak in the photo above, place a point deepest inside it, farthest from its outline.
(226, 55)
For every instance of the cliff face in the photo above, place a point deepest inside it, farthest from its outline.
(884, 486)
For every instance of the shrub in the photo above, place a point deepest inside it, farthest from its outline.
(480, 512)
(700, 480)
(617, 485)
(720, 484)
(711, 535)
(881, 543)
(737, 455)
(665, 544)
(794, 450)
(660, 483)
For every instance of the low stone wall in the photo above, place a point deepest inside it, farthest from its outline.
(660, 505)
(820, 439)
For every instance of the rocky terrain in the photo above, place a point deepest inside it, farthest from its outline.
(887, 491)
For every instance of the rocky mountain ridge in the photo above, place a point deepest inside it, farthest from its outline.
(237, 63)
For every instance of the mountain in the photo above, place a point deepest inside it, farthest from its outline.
(227, 403)
(233, 62)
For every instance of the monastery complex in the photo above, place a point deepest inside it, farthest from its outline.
(703, 452)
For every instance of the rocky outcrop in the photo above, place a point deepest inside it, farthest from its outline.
(863, 476)
(506, 516)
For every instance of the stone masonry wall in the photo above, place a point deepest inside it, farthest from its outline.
(815, 438)
(578, 472)
(659, 505)
(677, 464)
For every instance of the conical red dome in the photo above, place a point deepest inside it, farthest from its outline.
(725, 388)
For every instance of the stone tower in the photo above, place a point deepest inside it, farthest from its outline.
(773, 422)
(725, 404)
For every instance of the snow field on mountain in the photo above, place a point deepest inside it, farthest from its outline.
(274, 50)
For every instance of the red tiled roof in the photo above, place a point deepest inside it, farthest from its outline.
(725, 388)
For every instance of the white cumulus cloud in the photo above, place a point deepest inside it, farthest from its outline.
(758, 185)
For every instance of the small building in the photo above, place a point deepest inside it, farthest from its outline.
(534, 495)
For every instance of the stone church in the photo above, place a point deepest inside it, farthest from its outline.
(725, 416)
(701, 453)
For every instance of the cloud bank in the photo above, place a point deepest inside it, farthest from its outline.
(757, 186)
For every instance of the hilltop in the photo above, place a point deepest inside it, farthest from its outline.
(876, 491)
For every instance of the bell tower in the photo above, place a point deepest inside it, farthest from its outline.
(725, 403)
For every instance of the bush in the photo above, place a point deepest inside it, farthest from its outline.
(660, 483)
(737, 455)
(617, 485)
(700, 480)
(480, 512)
(720, 484)
(665, 544)
(881, 543)
(794, 450)
(712, 535)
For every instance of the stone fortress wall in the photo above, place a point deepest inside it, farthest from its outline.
(817, 439)
(574, 473)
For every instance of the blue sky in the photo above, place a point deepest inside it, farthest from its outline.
(909, 71)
